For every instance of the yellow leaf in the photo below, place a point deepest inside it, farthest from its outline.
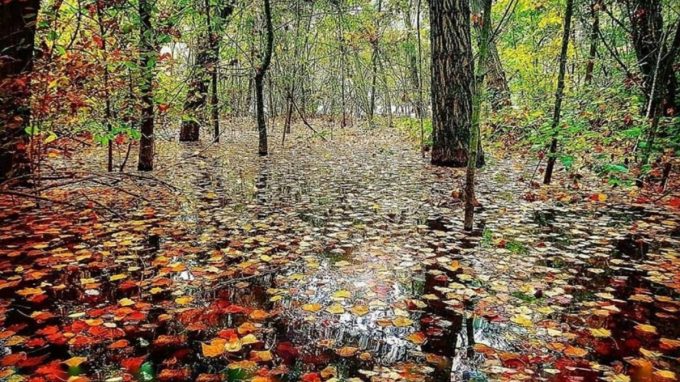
(215, 348)
(30, 292)
(401, 322)
(650, 329)
(600, 333)
(522, 320)
(184, 300)
(156, 290)
(311, 307)
(665, 375)
(117, 277)
(125, 302)
(75, 361)
(249, 339)
(618, 378)
(342, 294)
(234, 346)
(264, 356)
(335, 309)
(360, 310)
(417, 338)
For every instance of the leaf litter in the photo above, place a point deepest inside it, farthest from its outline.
(336, 260)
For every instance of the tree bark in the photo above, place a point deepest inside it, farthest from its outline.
(482, 61)
(452, 81)
(17, 35)
(594, 35)
(147, 64)
(496, 82)
(205, 77)
(559, 94)
(648, 37)
(259, 81)
(412, 52)
(374, 65)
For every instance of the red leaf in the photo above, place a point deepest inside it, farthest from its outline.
(132, 365)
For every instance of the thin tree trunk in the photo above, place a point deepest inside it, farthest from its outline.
(594, 35)
(215, 52)
(148, 66)
(17, 38)
(482, 61)
(560, 92)
(259, 81)
(107, 97)
(452, 81)
(203, 78)
(496, 82)
(421, 117)
(413, 58)
(374, 62)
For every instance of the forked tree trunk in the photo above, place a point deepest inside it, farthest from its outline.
(452, 81)
(17, 35)
(559, 94)
(259, 81)
(147, 66)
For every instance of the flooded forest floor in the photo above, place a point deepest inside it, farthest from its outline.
(338, 260)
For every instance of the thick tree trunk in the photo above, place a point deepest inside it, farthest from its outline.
(648, 38)
(147, 66)
(452, 81)
(559, 94)
(17, 34)
(259, 81)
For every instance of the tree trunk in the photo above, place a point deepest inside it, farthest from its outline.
(259, 81)
(107, 97)
(496, 82)
(452, 81)
(17, 34)
(482, 60)
(374, 65)
(412, 52)
(203, 77)
(594, 35)
(147, 66)
(648, 38)
(559, 94)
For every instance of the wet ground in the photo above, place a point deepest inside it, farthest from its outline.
(336, 260)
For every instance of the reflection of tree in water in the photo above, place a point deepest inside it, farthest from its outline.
(442, 325)
(261, 184)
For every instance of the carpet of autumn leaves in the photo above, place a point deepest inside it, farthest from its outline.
(329, 261)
